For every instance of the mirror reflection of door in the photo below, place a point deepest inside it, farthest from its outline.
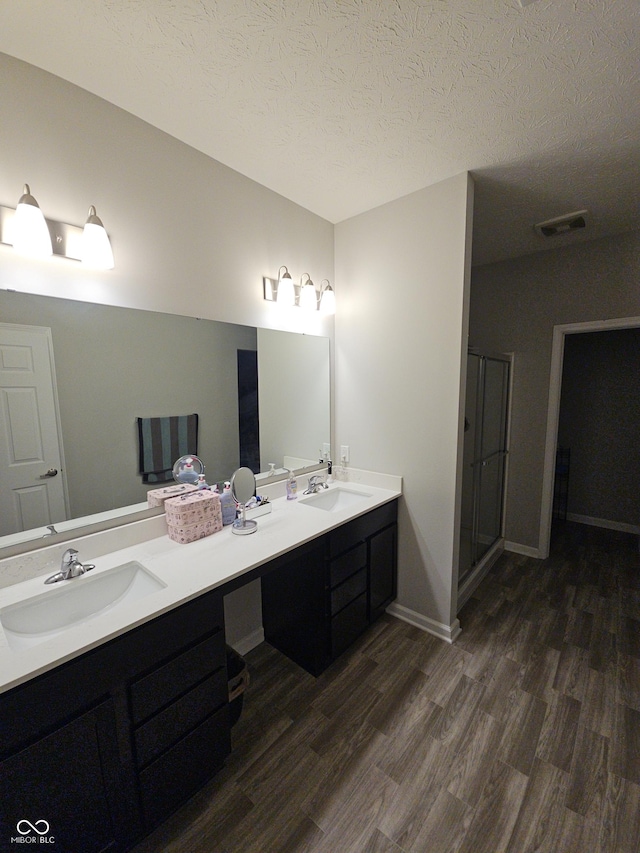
(248, 419)
(30, 447)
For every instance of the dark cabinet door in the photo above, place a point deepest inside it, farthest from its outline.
(382, 571)
(65, 787)
(295, 608)
(317, 600)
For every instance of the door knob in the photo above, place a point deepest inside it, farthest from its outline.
(52, 472)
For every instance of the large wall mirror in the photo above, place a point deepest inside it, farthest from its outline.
(111, 366)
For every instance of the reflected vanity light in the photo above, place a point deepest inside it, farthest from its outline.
(284, 292)
(27, 230)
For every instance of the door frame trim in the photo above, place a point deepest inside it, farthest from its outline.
(553, 412)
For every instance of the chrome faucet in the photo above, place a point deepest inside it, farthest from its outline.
(316, 482)
(70, 567)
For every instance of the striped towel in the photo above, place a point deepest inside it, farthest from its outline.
(163, 440)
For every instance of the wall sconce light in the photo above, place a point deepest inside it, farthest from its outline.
(308, 298)
(284, 292)
(327, 301)
(96, 247)
(26, 229)
(30, 232)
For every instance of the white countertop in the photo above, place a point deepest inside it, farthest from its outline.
(187, 570)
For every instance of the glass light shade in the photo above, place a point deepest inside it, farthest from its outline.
(308, 296)
(328, 301)
(96, 247)
(30, 231)
(286, 292)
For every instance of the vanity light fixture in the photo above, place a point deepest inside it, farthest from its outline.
(96, 247)
(30, 234)
(327, 298)
(286, 294)
(308, 298)
(27, 230)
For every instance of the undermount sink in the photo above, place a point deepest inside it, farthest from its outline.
(335, 499)
(42, 616)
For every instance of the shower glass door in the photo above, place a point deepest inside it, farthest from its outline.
(485, 450)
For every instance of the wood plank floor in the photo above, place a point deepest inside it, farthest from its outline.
(522, 736)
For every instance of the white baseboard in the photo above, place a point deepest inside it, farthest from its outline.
(245, 644)
(603, 522)
(448, 633)
(525, 550)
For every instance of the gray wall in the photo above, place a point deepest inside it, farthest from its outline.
(600, 423)
(294, 425)
(114, 365)
(514, 307)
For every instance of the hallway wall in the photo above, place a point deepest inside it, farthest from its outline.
(514, 307)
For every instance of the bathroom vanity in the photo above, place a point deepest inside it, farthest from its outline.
(109, 726)
(105, 746)
(318, 599)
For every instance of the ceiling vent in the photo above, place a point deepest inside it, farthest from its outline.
(562, 224)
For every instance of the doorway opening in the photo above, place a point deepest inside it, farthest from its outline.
(553, 416)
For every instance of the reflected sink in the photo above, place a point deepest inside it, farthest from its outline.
(40, 617)
(335, 499)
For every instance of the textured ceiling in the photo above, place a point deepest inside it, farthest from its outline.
(342, 105)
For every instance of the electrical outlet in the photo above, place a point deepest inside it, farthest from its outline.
(344, 452)
(326, 451)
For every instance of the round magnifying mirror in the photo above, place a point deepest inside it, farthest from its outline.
(187, 469)
(243, 488)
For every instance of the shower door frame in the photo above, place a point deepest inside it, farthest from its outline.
(480, 567)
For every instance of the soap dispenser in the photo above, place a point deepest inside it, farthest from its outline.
(227, 505)
(292, 487)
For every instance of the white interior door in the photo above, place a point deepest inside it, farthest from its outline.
(31, 478)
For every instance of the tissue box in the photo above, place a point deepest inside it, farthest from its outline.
(193, 516)
(156, 497)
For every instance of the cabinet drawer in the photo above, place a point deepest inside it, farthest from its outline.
(348, 625)
(349, 563)
(347, 591)
(167, 682)
(173, 777)
(360, 528)
(167, 727)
